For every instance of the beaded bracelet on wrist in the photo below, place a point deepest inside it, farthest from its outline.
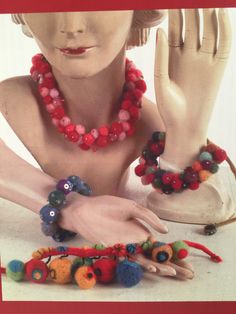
(99, 263)
(168, 182)
(50, 213)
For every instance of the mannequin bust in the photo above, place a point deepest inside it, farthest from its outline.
(91, 99)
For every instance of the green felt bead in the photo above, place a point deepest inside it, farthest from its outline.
(147, 245)
(205, 156)
(57, 198)
(177, 246)
(15, 270)
(157, 183)
(99, 246)
(214, 168)
(150, 170)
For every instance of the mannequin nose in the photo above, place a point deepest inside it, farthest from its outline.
(72, 22)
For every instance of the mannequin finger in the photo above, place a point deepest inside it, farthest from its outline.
(225, 35)
(192, 27)
(161, 269)
(181, 272)
(210, 29)
(149, 217)
(185, 265)
(161, 68)
(175, 28)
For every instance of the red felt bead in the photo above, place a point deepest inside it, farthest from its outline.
(84, 146)
(190, 175)
(48, 82)
(36, 271)
(194, 186)
(44, 68)
(182, 253)
(36, 59)
(102, 141)
(167, 177)
(105, 270)
(206, 164)
(73, 136)
(126, 104)
(149, 178)
(69, 128)
(219, 155)
(131, 77)
(131, 131)
(47, 100)
(176, 182)
(103, 130)
(137, 94)
(116, 128)
(140, 84)
(140, 170)
(88, 139)
(210, 148)
(134, 112)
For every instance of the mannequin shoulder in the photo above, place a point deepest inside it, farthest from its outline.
(16, 90)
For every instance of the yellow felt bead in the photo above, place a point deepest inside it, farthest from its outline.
(60, 269)
(85, 277)
(204, 175)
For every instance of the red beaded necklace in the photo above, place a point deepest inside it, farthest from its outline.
(129, 113)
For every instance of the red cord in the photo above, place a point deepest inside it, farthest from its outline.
(214, 257)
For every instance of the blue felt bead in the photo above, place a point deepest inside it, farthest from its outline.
(129, 273)
(74, 180)
(65, 186)
(15, 270)
(49, 229)
(49, 214)
(131, 248)
(205, 156)
(85, 189)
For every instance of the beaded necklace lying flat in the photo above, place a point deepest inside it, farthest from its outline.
(129, 113)
(99, 263)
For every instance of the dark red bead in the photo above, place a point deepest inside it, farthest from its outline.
(116, 128)
(58, 113)
(140, 170)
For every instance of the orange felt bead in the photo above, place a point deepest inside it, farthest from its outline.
(197, 166)
(204, 175)
(59, 270)
(85, 277)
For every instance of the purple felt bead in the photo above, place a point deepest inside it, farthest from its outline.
(65, 186)
(49, 229)
(49, 214)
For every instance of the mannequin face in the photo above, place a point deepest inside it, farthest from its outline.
(80, 44)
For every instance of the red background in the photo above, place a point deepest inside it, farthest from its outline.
(14, 6)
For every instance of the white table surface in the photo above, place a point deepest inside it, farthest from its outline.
(20, 235)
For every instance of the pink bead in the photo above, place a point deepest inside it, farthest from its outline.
(80, 129)
(126, 126)
(144, 181)
(35, 75)
(50, 108)
(44, 91)
(65, 121)
(124, 115)
(54, 93)
(122, 136)
(57, 102)
(48, 75)
(94, 133)
(55, 121)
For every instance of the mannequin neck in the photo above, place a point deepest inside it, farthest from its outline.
(94, 101)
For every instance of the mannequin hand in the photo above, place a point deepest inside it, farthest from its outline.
(108, 220)
(187, 73)
(181, 269)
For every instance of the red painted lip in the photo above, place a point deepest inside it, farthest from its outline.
(74, 51)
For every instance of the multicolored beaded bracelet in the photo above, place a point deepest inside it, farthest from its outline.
(168, 182)
(49, 213)
(99, 263)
